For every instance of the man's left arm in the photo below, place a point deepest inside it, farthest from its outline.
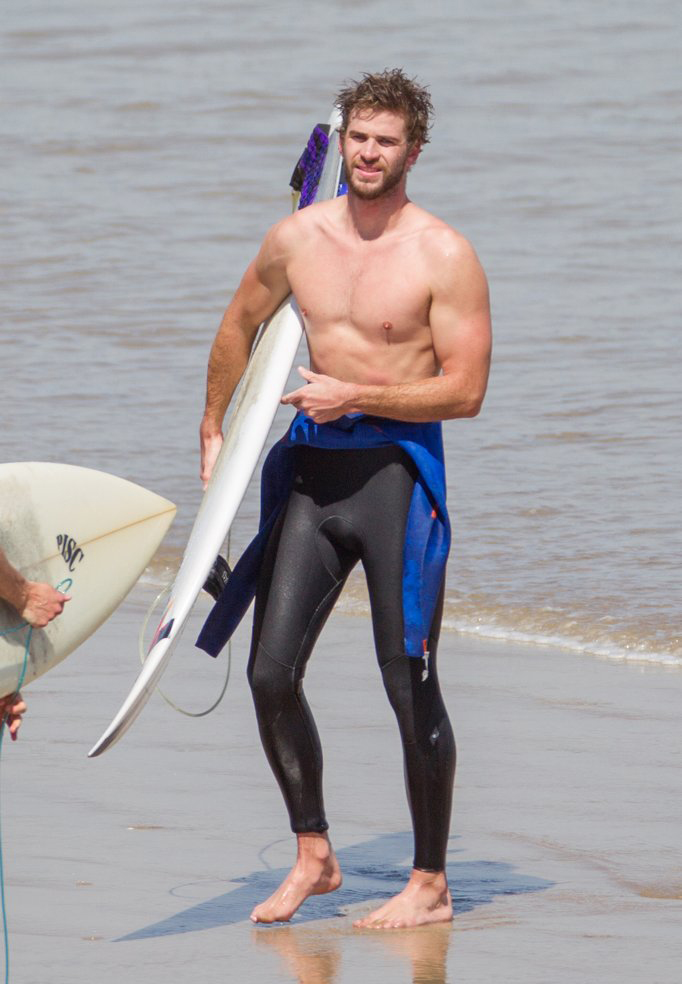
(462, 340)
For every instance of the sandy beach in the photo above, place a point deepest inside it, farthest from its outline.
(144, 864)
(146, 149)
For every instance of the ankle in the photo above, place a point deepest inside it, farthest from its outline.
(313, 845)
(436, 879)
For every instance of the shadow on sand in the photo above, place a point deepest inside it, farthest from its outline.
(374, 870)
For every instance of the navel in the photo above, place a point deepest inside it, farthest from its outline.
(387, 326)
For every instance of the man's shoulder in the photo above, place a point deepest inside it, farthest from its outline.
(446, 253)
(319, 214)
(437, 237)
(304, 221)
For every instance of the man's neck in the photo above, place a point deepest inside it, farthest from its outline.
(371, 219)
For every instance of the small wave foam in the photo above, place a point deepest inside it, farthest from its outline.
(652, 639)
(589, 633)
(604, 647)
(161, 569)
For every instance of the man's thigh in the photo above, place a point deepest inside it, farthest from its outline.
(301, 578)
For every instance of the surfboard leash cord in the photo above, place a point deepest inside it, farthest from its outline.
(63, 585)
(22, 675)
(141, 646)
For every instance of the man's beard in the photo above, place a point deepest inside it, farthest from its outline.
(391, 179)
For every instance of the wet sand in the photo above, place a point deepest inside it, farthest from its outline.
(143, 865)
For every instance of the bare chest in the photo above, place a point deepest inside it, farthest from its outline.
(369, 290)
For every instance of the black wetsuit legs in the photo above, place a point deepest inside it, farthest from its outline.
(346, 506)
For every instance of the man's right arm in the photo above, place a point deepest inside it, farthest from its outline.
(263, 288)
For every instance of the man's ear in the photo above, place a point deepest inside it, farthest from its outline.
(413, 154)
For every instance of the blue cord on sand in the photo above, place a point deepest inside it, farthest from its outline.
(62, 586)
(27, 649)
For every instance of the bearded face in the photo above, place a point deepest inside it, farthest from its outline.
(376, 153)
(370, 182)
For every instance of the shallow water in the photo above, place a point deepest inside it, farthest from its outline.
(146, 149)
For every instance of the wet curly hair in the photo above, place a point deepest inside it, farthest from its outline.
(391, 90)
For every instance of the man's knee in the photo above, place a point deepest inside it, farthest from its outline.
(271, 682)
(416, 701)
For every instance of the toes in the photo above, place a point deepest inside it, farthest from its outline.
(370, 923)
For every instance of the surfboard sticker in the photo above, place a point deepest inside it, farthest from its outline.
(162, 632)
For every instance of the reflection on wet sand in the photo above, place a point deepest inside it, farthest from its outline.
(313, 957)
(310, 957)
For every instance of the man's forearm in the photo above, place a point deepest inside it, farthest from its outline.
(227, 362)
(262, 289)
(437, 398)
(226, 365)
(445, 397)
(13, 586)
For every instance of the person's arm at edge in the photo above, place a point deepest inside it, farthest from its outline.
(462, 340)
(36, 601)
(262, 289)
(12, 709)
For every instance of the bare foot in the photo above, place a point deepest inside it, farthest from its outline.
(425, 899)
(316, 872)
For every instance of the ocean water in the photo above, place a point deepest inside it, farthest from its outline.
(146, 148)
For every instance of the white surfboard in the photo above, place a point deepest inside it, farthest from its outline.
(257, 402)
(85, 532)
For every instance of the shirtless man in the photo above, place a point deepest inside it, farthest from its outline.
(38, 604)
(397, 320)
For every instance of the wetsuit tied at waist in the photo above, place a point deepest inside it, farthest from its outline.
(427, 535)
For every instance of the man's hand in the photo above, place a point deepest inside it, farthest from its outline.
(323, 398)
(211, 443)
(42, 603)
(11, 709)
